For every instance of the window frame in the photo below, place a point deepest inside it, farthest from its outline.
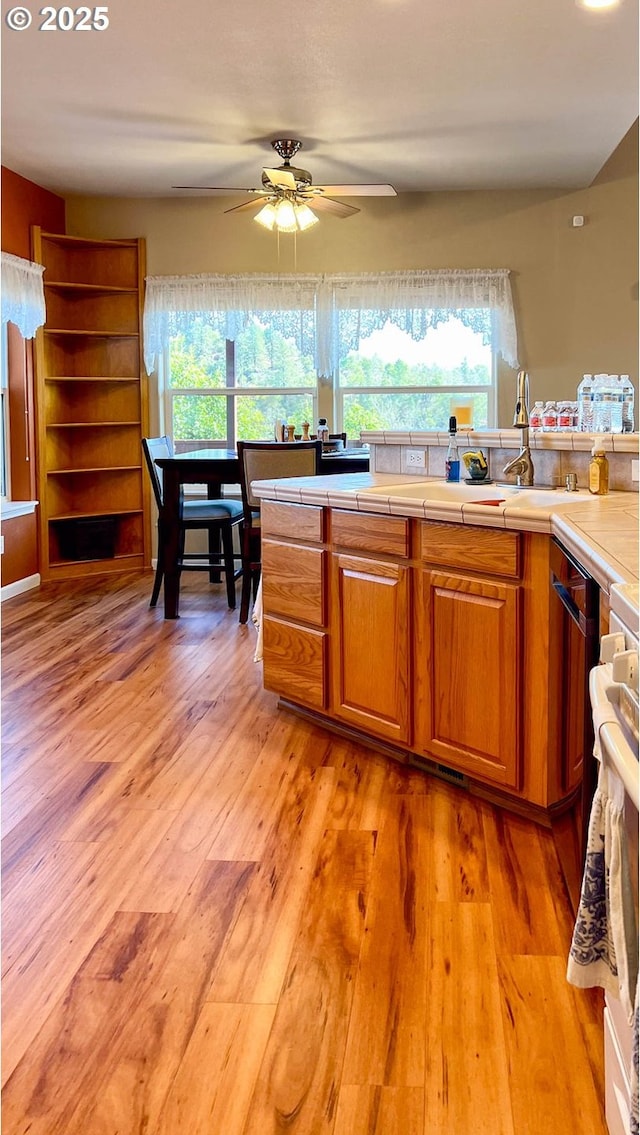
(327, 397)
(5, 434)
(230, 392)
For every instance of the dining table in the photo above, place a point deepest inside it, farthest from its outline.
(215, 468)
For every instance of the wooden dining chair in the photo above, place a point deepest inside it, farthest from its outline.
(261, 461)
(217, 517)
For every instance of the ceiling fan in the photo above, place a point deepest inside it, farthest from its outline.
(287, 192)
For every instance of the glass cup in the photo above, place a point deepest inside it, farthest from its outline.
(462, 410)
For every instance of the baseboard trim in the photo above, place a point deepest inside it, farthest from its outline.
(429, 766)
(20, 585)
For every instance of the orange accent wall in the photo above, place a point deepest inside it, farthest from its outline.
(23, 204)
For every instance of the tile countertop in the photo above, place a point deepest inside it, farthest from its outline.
(602, 532)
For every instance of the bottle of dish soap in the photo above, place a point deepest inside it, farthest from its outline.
(452, 460)
(598, 471)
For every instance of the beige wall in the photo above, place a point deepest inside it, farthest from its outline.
(575, 289)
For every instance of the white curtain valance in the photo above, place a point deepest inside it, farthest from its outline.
(329, 315)
(22, 294)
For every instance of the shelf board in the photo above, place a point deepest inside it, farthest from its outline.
(89, 425)
(69, 286)
(134, 557)
(94, 335)
(91, 334)
(95, 514)
(87, 242)
(93, 469)
(91, 378)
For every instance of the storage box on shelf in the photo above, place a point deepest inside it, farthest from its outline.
(92, 407)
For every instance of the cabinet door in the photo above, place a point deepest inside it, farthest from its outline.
(370, 645)
(468, 675)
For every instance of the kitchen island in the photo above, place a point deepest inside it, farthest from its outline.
(417, 616)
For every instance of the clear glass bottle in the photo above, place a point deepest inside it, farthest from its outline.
(452, 459)
(598, 470)
(535, 417)
(585, 404)
(628, 399)
(549, 417)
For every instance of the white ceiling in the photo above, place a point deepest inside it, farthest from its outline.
(425, 94)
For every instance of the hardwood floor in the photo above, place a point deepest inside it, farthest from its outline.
(219, 919)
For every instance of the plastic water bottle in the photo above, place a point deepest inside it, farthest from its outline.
(585, 404)
(535, 417)
(549, 417)
(628, 399)
(565, 416)
(601, 404)
(617, 396)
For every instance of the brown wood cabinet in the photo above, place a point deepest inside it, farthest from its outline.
(435, 640)
(468, 675)
(468, 672)
(371, 645)
(92, 407)
(294, 597)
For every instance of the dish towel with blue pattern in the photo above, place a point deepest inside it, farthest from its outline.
(604, 946)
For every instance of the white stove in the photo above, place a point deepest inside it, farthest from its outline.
(613, 687)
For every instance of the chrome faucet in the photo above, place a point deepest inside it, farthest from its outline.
(522, 464)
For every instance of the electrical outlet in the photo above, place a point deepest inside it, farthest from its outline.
(635, 470)
(416, 459)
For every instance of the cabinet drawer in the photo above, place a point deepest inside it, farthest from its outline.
(486, 550)
(300, 521)
(369, 532)
(293, 582)
(294, 662)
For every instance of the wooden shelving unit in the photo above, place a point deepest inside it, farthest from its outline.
(92, 407)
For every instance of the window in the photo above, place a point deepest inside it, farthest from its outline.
(393, 382)
(389, 350)
(221, 390)
(4, 416)
(23, 305)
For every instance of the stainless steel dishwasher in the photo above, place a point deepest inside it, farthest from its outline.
(579, 596)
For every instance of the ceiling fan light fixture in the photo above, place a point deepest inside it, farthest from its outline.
(305, 216)
(267, 216)
(597, 5)
(285, 217)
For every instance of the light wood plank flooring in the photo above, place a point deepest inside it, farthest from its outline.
(219, 919)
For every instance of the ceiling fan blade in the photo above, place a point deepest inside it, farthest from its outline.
(358, 190)
(222, 190)
(336, 208)
(246, 205)
(281, 177)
